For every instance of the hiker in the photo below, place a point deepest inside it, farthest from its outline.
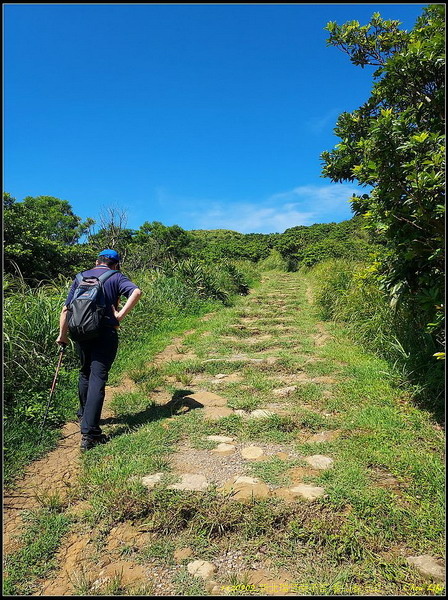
(98, 353)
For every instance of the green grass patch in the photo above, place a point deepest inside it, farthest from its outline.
(36, 557)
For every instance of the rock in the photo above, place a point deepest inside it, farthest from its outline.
(220, 438)
(201, 568)
(246, 480)
(286, 391)
(428, 566)
(241, 413)
(244, 488)
(285, 494)
(210, 584)
(224, 449)
(182, 553)
(323, 436)
(217, 412)
(261, 414)
(309, 492)
(207, 399)
(317, 461)
(190, 482)
(251, 452)
(150, 481)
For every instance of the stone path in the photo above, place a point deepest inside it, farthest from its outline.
(268, 319)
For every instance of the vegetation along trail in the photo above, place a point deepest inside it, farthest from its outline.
(263, 453)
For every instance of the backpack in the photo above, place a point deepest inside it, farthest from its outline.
(87, 307)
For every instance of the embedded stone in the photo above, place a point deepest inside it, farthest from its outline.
(309, 492)
(220, 438)
(323, 436)
(286, 391)
(216, 590)
(317, 461)
(217, 412)
(261, 414)
(428, 566)
(251, 452)
(150, 481)
(272, 585)
(285, 494)
(190, 481)
(129, 572)
(224, 449)
(201, 568)
(207, 399)
(210, 584)
(245, 479)
(241, 413)
(241, 487)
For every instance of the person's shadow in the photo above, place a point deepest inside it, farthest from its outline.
(180, 403)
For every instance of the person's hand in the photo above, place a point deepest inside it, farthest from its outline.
(117, 315)
(62, 340)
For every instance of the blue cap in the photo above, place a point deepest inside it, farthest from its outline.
(108, 253)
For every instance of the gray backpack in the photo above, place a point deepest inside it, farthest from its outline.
(87, 307)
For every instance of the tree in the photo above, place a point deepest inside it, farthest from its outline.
(41, 236)
(395, 144)
(155, 243)
(113, 232)
(307, 245)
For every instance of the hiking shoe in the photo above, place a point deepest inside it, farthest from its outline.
(90, 441)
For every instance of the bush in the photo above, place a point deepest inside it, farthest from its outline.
(348, 291)
(273, 262)
(332, 248)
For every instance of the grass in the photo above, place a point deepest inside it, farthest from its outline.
(272, 471)
(355, 540)
(35, 559)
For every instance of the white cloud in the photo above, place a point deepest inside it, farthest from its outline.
(252, 218)
(303, 205)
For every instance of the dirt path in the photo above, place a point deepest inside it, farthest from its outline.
(267, 328)
(54, 474)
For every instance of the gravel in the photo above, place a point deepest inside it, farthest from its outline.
(218, 469)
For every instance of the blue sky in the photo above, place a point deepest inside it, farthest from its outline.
(205, 116)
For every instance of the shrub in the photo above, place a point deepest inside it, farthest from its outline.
(273, 262)
(348, 291)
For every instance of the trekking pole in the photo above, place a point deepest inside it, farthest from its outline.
(53, 386)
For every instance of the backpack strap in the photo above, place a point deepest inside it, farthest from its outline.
(105, 276)
(102, 278)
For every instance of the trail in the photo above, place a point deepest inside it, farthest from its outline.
(270, 325)
(54, 474)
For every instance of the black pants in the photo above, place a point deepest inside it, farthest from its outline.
(96, 357)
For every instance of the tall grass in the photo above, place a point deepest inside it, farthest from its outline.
(346, 292)
(31, 325)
